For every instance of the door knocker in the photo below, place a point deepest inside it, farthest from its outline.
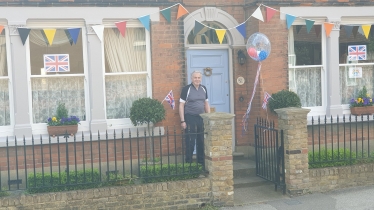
(208, 71)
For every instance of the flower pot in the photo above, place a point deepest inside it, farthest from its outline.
(364, 110)
(62, 129)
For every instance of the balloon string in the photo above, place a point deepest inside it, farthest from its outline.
(246, 115)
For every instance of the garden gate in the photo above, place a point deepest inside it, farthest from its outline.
(269, 153)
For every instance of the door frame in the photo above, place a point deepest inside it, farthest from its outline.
(230, 74)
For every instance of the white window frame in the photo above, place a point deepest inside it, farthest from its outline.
(7, 130)
(41, 128)
(126, 122)
(316, 110)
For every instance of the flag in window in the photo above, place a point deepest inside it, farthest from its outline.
(266, 99)
(56, 63)
(170, 99)
(356, 52)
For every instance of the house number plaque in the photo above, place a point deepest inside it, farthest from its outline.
(240, 80)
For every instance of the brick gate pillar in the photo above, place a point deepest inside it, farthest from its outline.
(218, 156)
(293, 122)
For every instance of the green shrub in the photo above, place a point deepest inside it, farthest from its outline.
(284, 99)
(146, 110)
(170, 172)
(37, 183)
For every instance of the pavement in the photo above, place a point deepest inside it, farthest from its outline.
(266, 198)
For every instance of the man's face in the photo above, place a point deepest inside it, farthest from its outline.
(196, 79)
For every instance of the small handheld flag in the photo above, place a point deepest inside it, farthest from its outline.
(170, 99)
(266, 99)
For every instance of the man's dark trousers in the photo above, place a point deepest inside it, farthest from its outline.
(194, 130)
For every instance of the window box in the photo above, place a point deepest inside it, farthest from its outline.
(364, 110)
(62, 129)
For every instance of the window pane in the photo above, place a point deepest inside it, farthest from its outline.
(306, 83)
(307, 46)
(125, 54)
(206, 35)
(349, 87)
(121, 91)
(61, 45)
(48, 92)
(4, 83)
(4, 102)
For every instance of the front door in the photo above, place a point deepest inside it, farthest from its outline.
(218, 82)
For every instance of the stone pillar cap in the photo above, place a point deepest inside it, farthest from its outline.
(217, 116)
(292, 111)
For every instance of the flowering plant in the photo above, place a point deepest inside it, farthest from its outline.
(362, 100)
(62, 118)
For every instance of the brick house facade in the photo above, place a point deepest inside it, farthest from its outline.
(166, 46)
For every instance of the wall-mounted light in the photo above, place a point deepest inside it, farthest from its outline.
(241, 57)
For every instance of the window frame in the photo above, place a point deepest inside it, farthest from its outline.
(41, 128)
(122, 123)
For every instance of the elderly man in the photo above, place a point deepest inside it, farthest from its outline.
(194, 101)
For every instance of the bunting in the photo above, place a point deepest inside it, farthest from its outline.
(220, 34)
(1, 29)
(121, 27)
(167, 14)
(50, 34)
(181, 11)
(72, 34)
(99, 30)
(145, 21)
(69, 37)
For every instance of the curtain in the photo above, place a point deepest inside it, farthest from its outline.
(124, 54)
(47, 93)
(4, 85)
(349, 87)
(306, 83)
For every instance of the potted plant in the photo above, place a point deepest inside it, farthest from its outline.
(147, 110)
(363, 104)
(61, 123)
(284, 99)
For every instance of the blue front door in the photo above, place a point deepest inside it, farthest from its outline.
(218, 82)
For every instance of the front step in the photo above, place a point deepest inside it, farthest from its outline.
(253, 181)
(244, 168)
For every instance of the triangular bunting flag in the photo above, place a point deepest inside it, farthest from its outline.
(269, 13)
(181, 11)
(99, 30)
(44, 37)
(121, 27)
(166, 13)
(220, 34)
(258, 14)
(348, 30)
(298, 28)
(328, 28)
(50, 34)
(1, 28)
(69, 37)
(354, 31)
(145, 21)
(74, 33)
(366, 29)
(289, 19)
(317, 29)
(241, 29)
(361, 31)
(309, 24)
(23, 33)
(198, 27)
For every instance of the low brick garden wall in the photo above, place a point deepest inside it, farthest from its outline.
(187, 194)
(325, 179)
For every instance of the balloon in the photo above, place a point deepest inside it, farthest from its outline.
(258, 46)
(252, 52)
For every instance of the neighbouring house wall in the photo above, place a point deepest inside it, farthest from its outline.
(188, 194)
(325, 179)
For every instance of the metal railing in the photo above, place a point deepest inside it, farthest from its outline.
(338, 141)
(68, 161)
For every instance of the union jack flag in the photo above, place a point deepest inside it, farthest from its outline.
(56, 63)
(266, 99)
(170, 99)
(356, 52)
